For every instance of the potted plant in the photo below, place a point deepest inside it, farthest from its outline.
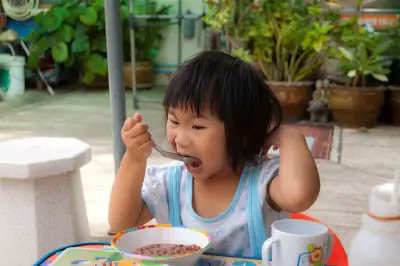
(3, 17)
(287, 41)
(74, 32)
(292, 53)
(393, 97)
(358, 102)
(148, 39)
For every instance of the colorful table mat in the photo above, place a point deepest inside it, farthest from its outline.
(206, 260)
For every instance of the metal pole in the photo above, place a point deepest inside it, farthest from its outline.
(180, 33)
(155, 16)
(115, 70)
(133, 54)
(372, 11)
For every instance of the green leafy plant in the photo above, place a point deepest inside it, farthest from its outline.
(361, 56)
(393, 53)
(148, 38)
(393, 33)
(298, 40)
(74, 32)
(361, 52)
(288, 39)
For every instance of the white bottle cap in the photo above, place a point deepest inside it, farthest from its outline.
(384, 202)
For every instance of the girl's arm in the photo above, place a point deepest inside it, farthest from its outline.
(127, 208)
(297, 186)
(126, 205)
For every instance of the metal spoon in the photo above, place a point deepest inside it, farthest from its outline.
(186, 159)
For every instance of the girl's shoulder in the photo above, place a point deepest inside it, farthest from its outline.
(160, 171)
(155, 189)
(154, 168)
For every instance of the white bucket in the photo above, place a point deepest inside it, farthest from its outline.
(13, 76)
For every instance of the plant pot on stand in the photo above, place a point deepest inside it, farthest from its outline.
(359, 103)
(293, 97)
(144, 74)
(3, 19)
(356, 107)
(394, 105)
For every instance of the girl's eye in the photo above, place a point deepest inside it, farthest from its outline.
(174, 122)
(198, 127)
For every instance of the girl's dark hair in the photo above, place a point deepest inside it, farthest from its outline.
(235, 93)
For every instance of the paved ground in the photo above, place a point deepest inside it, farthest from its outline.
(360, 159)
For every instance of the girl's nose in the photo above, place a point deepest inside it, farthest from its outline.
(181, 140)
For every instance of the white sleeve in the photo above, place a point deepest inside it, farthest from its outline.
(269, 170)
(154, 192)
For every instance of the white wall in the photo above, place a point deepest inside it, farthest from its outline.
(169, 49)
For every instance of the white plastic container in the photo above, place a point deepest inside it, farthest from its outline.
(378, 241)
(14, 83)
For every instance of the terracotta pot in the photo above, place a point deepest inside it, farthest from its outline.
(394, 105)
(3, 20)
(293, 97)
(144, 74)
(99, 83)
(356, 107)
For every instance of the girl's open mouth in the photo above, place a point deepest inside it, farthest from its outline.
(193, 167)
(196, 164)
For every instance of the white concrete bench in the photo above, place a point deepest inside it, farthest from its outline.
(41, 197)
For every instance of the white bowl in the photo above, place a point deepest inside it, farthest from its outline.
(132, 239)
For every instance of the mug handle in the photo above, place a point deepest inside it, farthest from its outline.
(266, 246)
(329, 247)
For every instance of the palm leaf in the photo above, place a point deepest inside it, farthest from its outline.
(380, 77)
(383, 47)
(352, 73)
(346, 53)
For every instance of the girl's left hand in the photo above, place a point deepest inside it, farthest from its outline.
(273, 139)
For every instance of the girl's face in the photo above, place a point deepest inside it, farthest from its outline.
(201, 136)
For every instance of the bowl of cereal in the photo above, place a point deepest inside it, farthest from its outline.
(163, 243)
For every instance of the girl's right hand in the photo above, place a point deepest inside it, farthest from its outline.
(137, 138)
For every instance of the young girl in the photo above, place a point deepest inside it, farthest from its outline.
(220, 111)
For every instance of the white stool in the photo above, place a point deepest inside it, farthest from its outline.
(41, 197)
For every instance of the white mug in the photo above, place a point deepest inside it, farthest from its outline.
(297, 243)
